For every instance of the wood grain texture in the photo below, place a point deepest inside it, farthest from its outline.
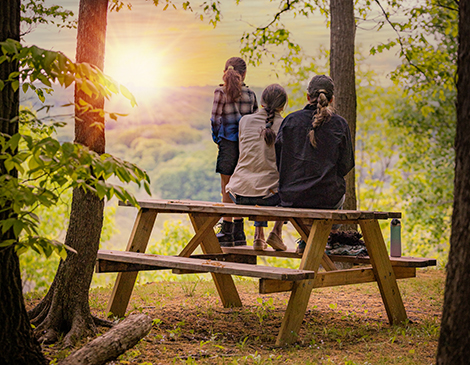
(125, 281)
(383, 271)
(402, 261)
(301, 290)
(223, 282)
(205, 265)
(275, 213)
(304, 231)
(334, 278)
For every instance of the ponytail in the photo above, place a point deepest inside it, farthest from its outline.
(322, 115)
(235, 69)
(274, 97)
(320, 90)
(268, 134)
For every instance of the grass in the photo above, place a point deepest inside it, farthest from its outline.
(343, 325)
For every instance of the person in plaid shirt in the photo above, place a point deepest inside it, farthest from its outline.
(232, 100)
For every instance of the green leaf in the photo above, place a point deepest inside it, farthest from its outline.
(15, 85)
(127, 94)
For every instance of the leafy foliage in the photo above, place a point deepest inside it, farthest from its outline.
(425, 113)
(48, 67)
(35, 12)
(46, 168)
(189, 178)
(274, 41)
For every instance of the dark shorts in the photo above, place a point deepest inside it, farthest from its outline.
(227, 158)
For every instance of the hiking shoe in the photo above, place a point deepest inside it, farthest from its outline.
(225, 234)
(300, 246)
(239, 238)
(259, 244)
(276, 242)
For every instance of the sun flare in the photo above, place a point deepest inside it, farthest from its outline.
(140, 69)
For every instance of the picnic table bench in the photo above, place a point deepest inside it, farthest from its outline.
(313, 226)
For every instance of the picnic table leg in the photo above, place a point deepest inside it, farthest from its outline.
(383, 271)
(125, 281)
(302, 289)
(304, 231)
(223, 282)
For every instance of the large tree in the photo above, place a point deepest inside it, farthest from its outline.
(342, 71)
(454, 340)
(65, 307)
(18, 343)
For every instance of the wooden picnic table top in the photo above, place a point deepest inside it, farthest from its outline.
(231, 209)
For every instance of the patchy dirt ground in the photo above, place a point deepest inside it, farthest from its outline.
(343, 325)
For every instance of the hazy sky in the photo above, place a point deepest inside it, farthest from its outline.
(148, 47)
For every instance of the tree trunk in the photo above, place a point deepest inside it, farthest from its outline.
(18, 345)
(65, 307)
(342, 71)
(454, 340)
(113, 343)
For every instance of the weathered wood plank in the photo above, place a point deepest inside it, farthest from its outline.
(223, 283)
(304, 231)
(297, 305)
(383, 271)
(105, 266)
(196, 240)
(204, 265)
(280, 213)
(403, 261)
(243, 259)
(125, 281)
(334, 278)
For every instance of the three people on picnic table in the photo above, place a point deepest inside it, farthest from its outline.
(313, 153)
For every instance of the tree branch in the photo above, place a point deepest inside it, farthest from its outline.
(448, 7)
(400, 41)
(288, 7)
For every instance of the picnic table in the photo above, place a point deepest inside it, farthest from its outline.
(313, 226)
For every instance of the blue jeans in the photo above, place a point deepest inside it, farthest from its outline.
(270, 201)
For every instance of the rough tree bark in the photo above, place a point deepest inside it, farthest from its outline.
(17, 343)
(454, 340)
(65, 307)
(342, 71)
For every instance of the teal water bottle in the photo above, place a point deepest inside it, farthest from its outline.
(395, 238)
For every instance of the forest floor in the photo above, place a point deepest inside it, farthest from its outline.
(343, 325)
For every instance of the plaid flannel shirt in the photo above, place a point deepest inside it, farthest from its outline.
(226, 115)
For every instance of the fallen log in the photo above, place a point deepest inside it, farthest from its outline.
(113, 343)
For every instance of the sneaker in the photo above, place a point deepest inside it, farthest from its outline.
(225, 234)
(259, 244)
(239, 238)
(276, 242)
(300, 246)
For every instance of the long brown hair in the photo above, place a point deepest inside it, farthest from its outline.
(234, 72)
(273, 98)
(320, 90)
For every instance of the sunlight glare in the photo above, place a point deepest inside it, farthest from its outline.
(140, 69)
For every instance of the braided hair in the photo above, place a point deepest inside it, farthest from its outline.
(234, 72)
(274, 97)
(320, 90)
